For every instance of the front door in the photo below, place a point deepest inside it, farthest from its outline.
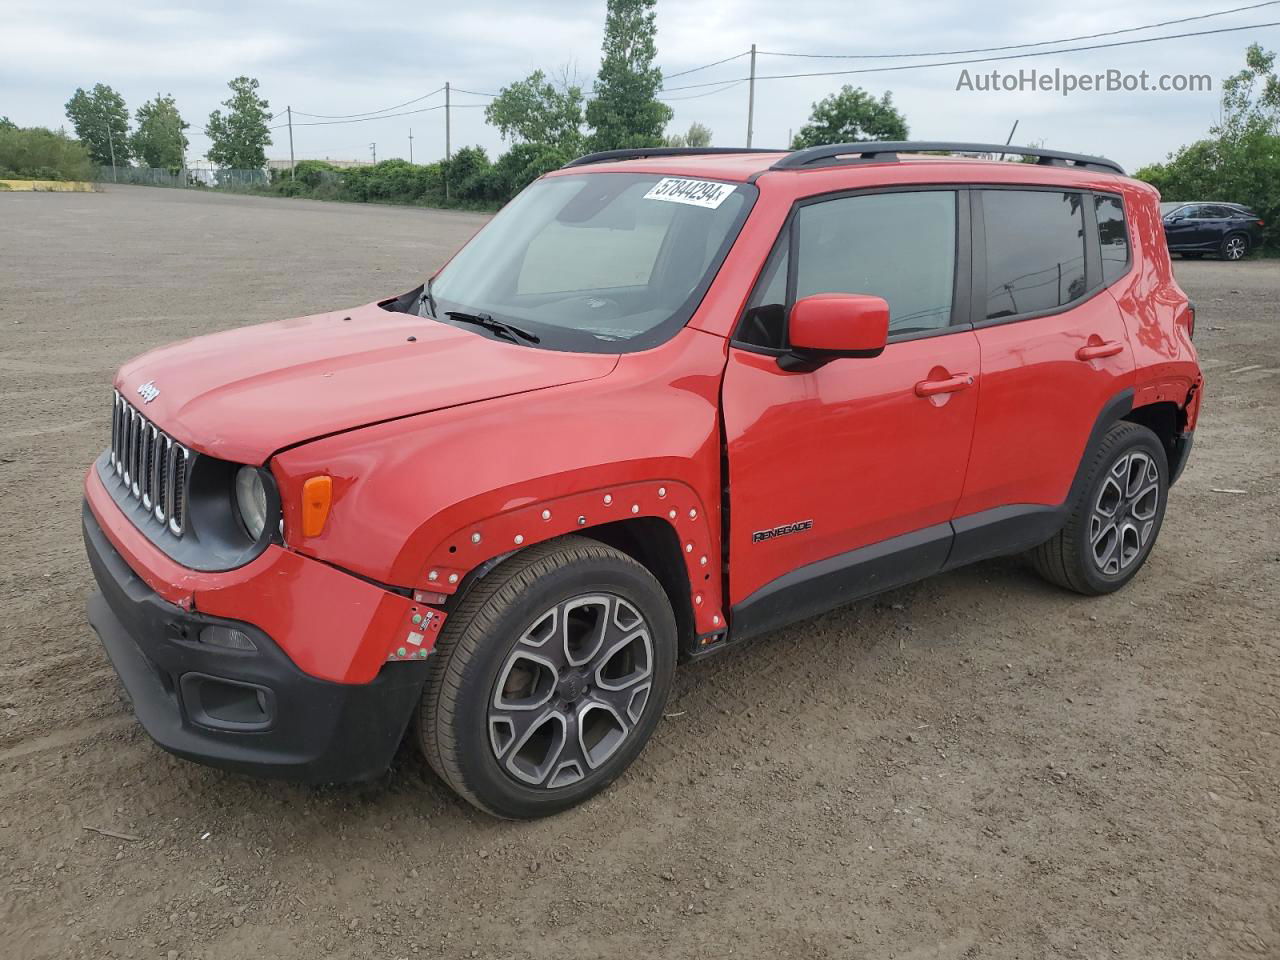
(843, 480)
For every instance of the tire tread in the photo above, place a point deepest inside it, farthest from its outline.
(468, 628)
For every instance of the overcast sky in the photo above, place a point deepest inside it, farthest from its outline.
(341, 58)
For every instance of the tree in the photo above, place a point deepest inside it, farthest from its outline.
(240, 138)
(7, 124)
(625, 111)
(159, 140)
(101, 120)
(535, 110)
(851, 116)
(698, 135)
(1240, 159)
(1246, 110)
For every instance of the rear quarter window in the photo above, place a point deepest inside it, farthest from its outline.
(1113, 237)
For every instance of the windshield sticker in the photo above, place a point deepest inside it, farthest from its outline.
(696, 193)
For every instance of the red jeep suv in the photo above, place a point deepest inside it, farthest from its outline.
(666, 400)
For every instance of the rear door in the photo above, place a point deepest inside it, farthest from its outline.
(843, 479)
(1055, 353)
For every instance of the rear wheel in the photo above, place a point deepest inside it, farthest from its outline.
(548, 679)
(1234, 247)
(1115, 518)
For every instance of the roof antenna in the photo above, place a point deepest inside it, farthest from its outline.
(1009, 139)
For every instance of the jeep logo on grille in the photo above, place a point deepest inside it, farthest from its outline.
(148, 391)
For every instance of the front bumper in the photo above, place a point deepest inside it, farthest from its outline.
(249, 711)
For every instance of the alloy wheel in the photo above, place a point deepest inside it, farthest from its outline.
(1124, 513)
(1234, 248)
(571, 691)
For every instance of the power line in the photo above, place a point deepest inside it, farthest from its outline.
(736, 56)
(729, 85)
(1012, 46)
(388, 116)
(477, 93)
(371, 113)
(1011, 56)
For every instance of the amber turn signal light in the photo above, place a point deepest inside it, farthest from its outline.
(317, 492)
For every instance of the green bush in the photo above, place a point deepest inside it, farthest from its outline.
(39, 154)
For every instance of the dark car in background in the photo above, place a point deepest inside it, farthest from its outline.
(1226, 229)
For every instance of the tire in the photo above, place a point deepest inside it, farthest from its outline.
(1096, 553)
(568, 642)
(1235, 246)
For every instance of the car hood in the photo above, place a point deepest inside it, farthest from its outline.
(243, 394)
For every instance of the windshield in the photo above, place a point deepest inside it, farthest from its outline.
(601, 262)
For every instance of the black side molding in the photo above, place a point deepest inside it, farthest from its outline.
(822, 586)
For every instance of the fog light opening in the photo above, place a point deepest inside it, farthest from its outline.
(228, 637)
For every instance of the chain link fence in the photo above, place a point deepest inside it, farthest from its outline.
(202, 177)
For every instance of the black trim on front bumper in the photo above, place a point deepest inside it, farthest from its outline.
(303, 728)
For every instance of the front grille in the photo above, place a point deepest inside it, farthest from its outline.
(151, 465)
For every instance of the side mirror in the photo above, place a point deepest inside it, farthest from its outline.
(829, 326)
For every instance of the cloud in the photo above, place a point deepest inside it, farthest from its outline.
(338, 58)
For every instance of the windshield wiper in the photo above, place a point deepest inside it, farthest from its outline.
(497, 326)
(428, 299)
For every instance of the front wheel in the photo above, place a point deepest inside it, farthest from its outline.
(1235, 247)
(1114, 519)
(548, 679)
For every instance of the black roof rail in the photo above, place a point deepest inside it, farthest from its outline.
(641, 153)
(888, 150)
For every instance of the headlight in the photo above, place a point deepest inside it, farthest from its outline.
(251, 501)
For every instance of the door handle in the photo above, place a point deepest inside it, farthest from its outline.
(931, 388)
(1096, 351)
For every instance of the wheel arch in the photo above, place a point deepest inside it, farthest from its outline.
(1168, 421)
(663, 525)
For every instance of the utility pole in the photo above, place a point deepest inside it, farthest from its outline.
(411, 144)
(448, 150)
(751, 97)
(374, 148)
(289, 113)
(111, 142)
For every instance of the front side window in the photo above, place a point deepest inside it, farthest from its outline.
(1112, 237)
(1034, 251)
(899, 246)
(601, 262)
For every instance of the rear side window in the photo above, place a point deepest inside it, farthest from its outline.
(1112, 237)
(1035, 251)
(899, 246)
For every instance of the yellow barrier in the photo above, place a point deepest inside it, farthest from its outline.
(61, 186)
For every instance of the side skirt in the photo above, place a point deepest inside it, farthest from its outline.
(858, 574)
(836, 581)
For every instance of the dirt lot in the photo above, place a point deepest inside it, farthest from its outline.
(977, 766)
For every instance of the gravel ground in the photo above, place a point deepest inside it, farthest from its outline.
(976, 766)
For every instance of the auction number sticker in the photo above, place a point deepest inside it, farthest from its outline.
(696, 193)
